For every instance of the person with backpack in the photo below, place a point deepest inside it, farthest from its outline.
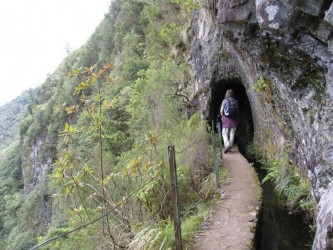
(229, 112)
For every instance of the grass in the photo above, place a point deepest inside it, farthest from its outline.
(290, 188)
(161, 235)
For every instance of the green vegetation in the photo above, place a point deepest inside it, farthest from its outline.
(261, 85)
(163, 236)
(11, 115)
(264, 87)
(291, 189)
(94, 140)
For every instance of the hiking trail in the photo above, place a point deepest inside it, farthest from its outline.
(232, 223)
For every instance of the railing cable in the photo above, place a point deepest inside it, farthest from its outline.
(99, 218)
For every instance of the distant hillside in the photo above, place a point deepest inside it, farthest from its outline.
(11, 115)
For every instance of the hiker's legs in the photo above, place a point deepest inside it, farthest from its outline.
(225, 135)
(232, 136)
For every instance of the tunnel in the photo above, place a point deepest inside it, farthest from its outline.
(245, 129)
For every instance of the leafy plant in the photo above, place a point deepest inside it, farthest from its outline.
(260, 85)
(106, 130)
(290, 188)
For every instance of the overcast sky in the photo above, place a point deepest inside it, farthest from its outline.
(33, 38)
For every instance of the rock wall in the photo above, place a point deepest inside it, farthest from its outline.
(36, 168)
(281, 51)
(41, 167)
(324, 236)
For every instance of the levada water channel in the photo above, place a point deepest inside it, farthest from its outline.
(277, 228)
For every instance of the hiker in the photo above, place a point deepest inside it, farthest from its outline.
(229, 111)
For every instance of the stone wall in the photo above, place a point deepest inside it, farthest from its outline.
(286, 46)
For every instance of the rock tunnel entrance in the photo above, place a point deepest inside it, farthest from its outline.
(276, 228)
(245, 130)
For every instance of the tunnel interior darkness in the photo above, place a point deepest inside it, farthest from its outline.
(245, 129)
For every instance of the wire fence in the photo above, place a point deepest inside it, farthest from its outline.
(97, 219)
(171, 192)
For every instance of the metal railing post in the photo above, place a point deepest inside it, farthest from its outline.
(216, 166)
(220, 139)
(174, 195)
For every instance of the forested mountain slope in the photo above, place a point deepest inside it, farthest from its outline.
(11, 115)
(94, 140)
(92, 145)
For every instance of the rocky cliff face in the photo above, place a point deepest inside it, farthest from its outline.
(35, 171)
(37, 168)
(277, 55)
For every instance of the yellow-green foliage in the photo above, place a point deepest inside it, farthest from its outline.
(109, 126)
(161, 234)
(260, 85)
(263, 86)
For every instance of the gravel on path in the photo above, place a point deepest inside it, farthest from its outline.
(232, 222)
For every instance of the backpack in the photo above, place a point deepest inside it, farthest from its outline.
(231, 107)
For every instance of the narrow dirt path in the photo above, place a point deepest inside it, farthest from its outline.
(232, 222)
